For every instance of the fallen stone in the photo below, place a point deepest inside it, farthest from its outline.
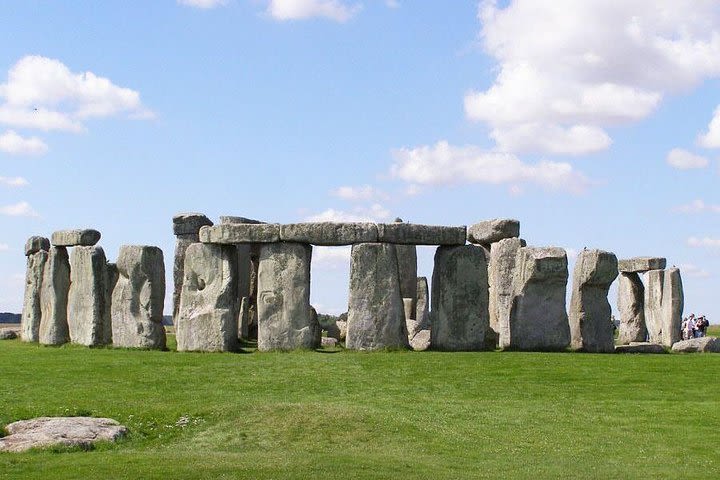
(376, 318)
(413, 234)
(501, 270)
(138, 298)
(697, 345)
(88, 318)
(591, 328)
(421, 341)
(207, 319)
(329, 233)
(285, 317)
(73, 238)
(491, 231)
(654, 283)
(460, 319)
(189, 223)
(232, 233)
(54, 328)
(45, 432)
(9, 333)
(329, 342)
(538, 320)
(673, 302)
(32, 312)
(640, 347)
(35, 244)
(422, 306)
(641, 264)
(631, 306)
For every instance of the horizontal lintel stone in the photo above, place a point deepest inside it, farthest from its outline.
(233, 233)
(641, 264)
(189, 223)
(329, 233)
(225, 219)
(414, 234)
(491, 231)
(72, 238)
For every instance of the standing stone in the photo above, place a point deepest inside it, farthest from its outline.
(243, 318)
(54, 328)
(654, 282)
(138, 298)
(538, 320)
(407, 269)
(87, 300)
(186, 226)
(591, 328)
(631, 306)
(460, 319)
(112, 275)
(207, 320)
(673, 302)
(285, 317)
(375, 308)
(501, 270)
(32, 312)
(35, 244)
(422, 306)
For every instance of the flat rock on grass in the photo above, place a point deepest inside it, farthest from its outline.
(62, 431)
(8, 333)
(702, 344)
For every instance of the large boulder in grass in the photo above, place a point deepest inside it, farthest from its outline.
(45, 432)
(699, 345)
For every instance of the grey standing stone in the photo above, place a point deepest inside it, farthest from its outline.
(112, 275)
(189, 223)
(243, 318)
(414, 234)
(641, 264)
(654, 283)
(407, 269)
(232, 233)
(87, 300)
(631, 306)
(342, 328)
(591, 328)
(460, 319)
(138, 298)
(376, 318)
(673, 302)
(32, 312)
(186, 226)
(207, 320)
(329, 233)
(35, 244)
(501, 271)
(538, 320)
(285, 317)
(491, 231)
(74, 238)
(54, 328)
(422, 306)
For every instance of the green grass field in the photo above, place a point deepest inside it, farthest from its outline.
(370, 415)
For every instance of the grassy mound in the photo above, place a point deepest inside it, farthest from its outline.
(379, 415)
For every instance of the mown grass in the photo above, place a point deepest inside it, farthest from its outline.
(369, 415)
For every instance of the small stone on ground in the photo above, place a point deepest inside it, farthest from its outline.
(59, 431)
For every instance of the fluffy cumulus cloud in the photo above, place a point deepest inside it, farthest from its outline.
(21, 209)
(697, 206)
(569, 69)
(703, 242)
(359, 193)
(335, 10)
(331, 257)
(14, 181)
(684, 160)
(204, 4)
(711, 138)
(373, 213)
(445, 164)
(11, 142)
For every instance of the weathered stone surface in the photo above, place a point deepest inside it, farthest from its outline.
(243, 318)
(73, 238)
(232, 233)
(285, 319)
(9, 333)
(87, 309)
(329, 342)
(342, 329)
(31, 312)
(112, 275)
(640, 347)
(421, 340)
(329, 233)
(422, 306)
(538, 320)
(591, 328)
(412, 326)
(414, 234)
(460, 319)
(60, 431)
(375, 308)
(138, 298)
(207, 320)
(491, 231)
(181, 244)
(654, 283)
(641, 264)
(236, 220)
(631, 306)
(501, 270)
(673, 302)
(35, 244)
(407, 269)
(702, 344)
(189, 223)
(54, 328)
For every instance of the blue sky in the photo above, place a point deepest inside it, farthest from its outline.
(590, 123)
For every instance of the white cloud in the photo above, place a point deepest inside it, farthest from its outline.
(359, 193)
(331, 257)
(42, 93)
(445, 164)
(14, 181)
(304, 9)
(690, 270)
(684, 160)
(572, 254)
(374, 213)
(205, 4)
(570, 69)
(705, 242)
(711, 138)
(11, 142)
(22, 209)
(697, 206)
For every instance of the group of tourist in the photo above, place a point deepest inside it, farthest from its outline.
(694, 327)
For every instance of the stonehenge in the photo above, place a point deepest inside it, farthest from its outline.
(36, 251)
(186, 228)
(501, 270)
(54, 329)
(631, 306)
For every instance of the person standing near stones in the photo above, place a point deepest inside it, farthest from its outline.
(690, 327)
